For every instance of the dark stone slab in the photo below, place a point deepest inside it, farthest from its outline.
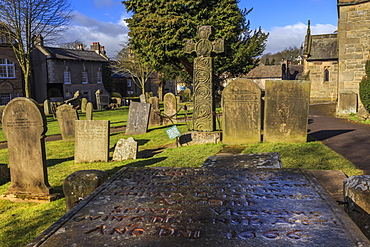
(138, 118)
(261, 160)
(205, 207)
(241, 110)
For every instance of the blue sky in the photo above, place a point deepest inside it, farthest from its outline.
(286, 21)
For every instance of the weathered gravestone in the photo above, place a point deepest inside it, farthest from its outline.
(170, 108)
(138, 118)
(47, 107)
(347, 103)
(89, 111)
(80, 184)
(24, 125)
(83, 104)
(357, 198)
(67, 116)
(261, 160)
(241, 109)
(186, 95)
(286, 111)
(91, 140)
(203, 119)
(143, 98)
(155, 112)
(2, 107)
(125, 149)
(206, 207)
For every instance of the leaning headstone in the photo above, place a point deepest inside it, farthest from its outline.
(83, 104)
(204, 105)
(186, 95)
(47, 107)
(347, 103)
(143, 98)
(206, 207)
(357, 198)
(125, 149)
(24, 125)
(91, 140)
(170, 107)
(80, 184)
(67, 116)
(89, 111)
(241, 111)
(286, 111)
(155, 112)
(260, 160)
(138, 118)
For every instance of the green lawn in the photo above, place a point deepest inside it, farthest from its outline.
(22, 222)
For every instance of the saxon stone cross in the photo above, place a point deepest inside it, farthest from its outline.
(203, 119)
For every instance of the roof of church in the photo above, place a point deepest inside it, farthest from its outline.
(273, 71)
(351, 2)
(71, 54)
(323, 47)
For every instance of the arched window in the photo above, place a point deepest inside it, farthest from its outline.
(7, 68)
(326, 74)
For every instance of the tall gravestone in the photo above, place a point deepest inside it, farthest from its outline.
(155, 112)
(138, 118)
(91, 140)
(203, 119)
(83, 104)
(47, 107)
(89, 111)
(67, 116)
(286, 111)
(241, 109)
(24, 124)
(170, 107)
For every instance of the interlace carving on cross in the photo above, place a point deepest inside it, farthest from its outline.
(204, 47)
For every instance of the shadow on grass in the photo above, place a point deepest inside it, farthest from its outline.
(53, 162)
(141, 163)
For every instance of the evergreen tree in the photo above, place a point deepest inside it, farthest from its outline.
(267, 62)
(159, 29)
(365, 87)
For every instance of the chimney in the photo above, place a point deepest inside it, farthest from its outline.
(102, 50)
(80, 46)
(95, 47)
(38, 40)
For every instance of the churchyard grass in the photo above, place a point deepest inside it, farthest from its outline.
(22, 222)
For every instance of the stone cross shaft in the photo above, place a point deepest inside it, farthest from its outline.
(203, 119)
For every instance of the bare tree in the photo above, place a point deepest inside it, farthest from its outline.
(25, 19)
(128, 62)
(75, 45)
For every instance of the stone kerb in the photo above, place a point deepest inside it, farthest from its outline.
(91, 141)
(24, 125)
(286, 111)
(67, 116)
(241, 109)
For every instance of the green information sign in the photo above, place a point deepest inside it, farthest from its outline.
(173, 132)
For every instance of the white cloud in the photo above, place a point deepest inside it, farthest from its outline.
(103, 3)
(89, 30)
(293, 35)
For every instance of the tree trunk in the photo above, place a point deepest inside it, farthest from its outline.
(187, 65)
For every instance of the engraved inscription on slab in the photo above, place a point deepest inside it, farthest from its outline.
(241, 112)
(92, 140)
(286, 111)
(206, 207)
(138, 118)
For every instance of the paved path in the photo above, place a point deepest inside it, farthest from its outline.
(350, 139)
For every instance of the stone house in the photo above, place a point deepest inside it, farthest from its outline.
(345, 67)
(57, 73)
(11, 79)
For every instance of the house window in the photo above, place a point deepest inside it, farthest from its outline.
(129, 82)
(67, 76)
(99, 76)
(7, 68)
(84, 77)
(5, 98)
(130, 92)
(326, 74)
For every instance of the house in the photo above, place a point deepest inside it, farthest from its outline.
(11, 80)
(58, 73)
